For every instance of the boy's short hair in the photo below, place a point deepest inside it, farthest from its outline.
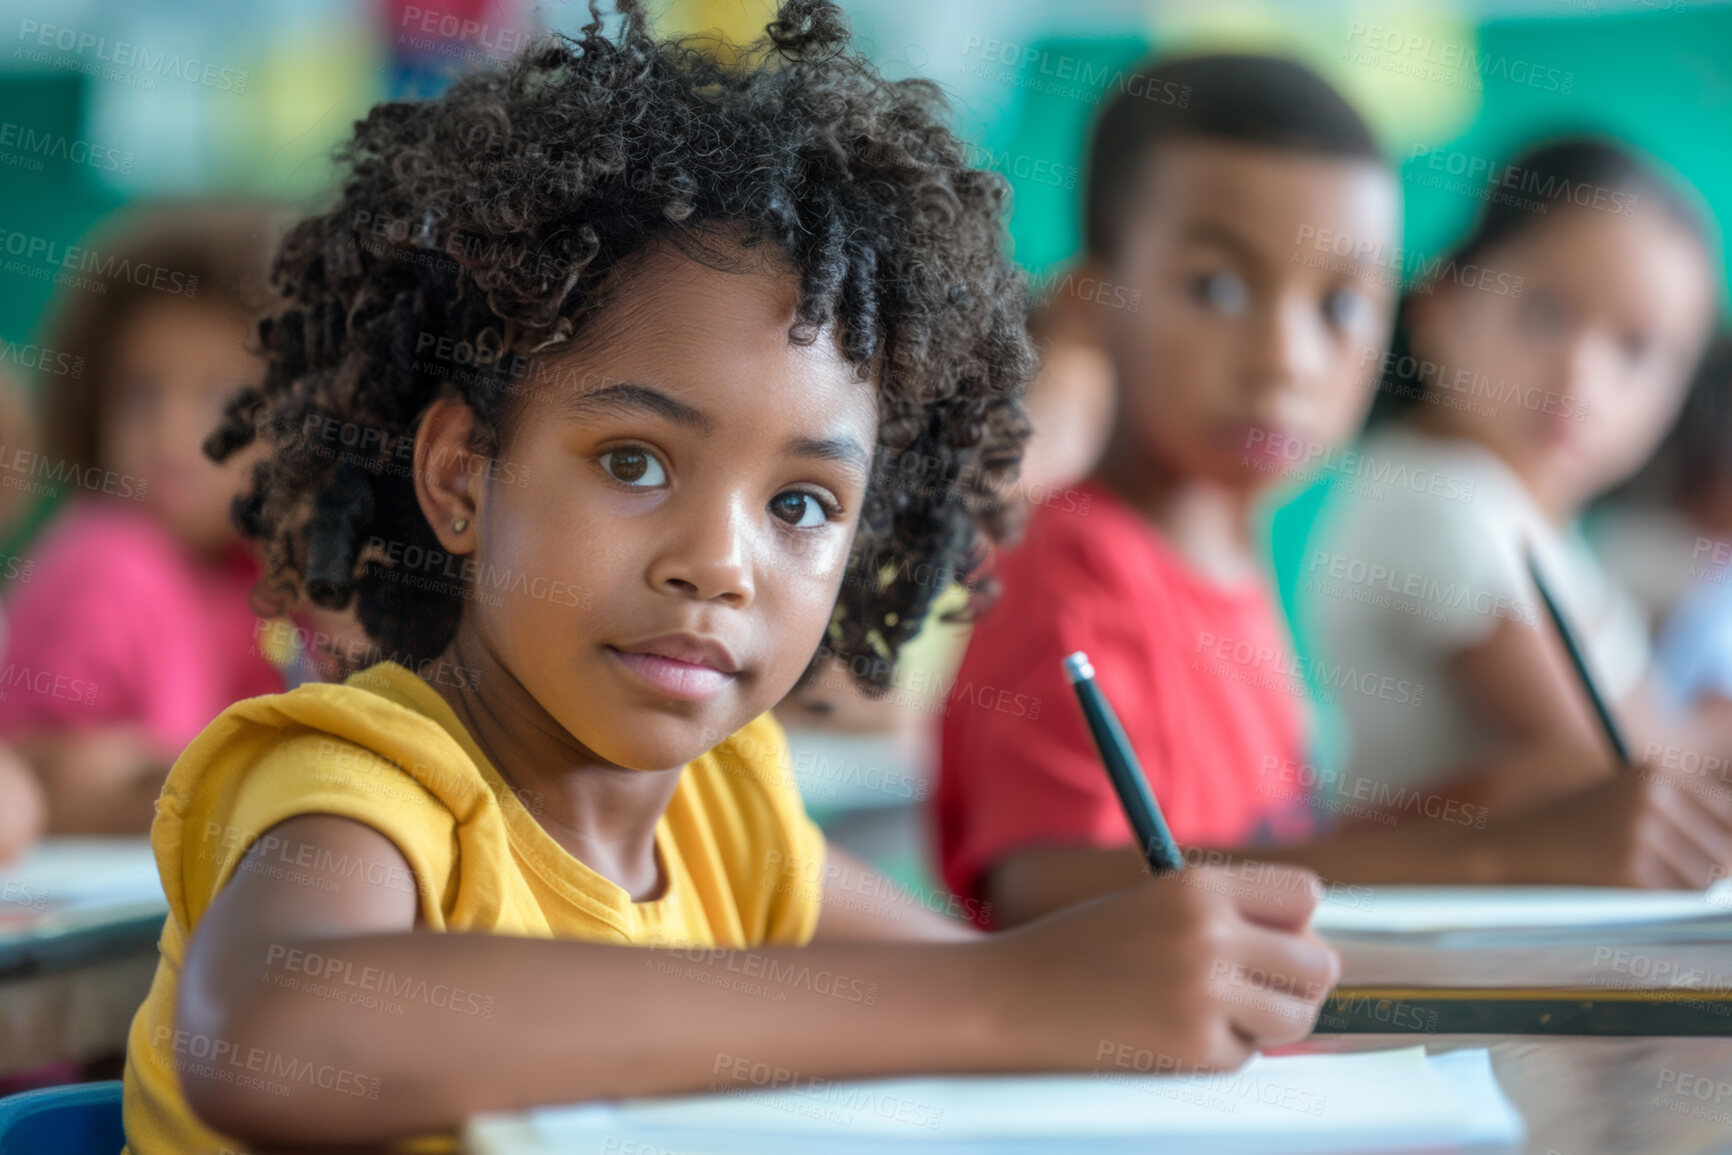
(481, 228)
(1261, 101)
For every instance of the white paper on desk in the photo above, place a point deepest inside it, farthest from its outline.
(1432, 909)
(1373, 1101)
(64, 873)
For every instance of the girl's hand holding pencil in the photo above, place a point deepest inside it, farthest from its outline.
(1233, 967)
(1199, 967)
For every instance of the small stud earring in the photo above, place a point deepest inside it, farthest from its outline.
(460, 525)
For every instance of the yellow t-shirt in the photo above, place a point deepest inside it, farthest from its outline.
(385, 749)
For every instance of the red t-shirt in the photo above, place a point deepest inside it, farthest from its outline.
(1200, 676)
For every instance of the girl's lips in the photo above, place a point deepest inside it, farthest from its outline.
(687, 681)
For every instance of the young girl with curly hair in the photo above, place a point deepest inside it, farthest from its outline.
(579, 397)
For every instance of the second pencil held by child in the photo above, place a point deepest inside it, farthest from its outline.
(544, 853)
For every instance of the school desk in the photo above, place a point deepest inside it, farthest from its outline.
(1578, 1096)
(79, 924)
(1610, 983)
(69, 990)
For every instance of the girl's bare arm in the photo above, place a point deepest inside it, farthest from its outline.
(476, 1022)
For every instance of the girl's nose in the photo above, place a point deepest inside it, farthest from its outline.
(708, 554)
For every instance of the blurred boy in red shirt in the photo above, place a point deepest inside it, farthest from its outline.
(1201, 189)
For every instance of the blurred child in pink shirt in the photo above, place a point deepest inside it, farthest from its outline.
(22, 810)
(135, 628)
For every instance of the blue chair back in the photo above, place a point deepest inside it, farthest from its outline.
(81, 1119)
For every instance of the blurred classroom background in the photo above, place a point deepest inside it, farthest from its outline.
(107, 103)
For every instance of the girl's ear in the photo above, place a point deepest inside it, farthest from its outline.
(448, 473)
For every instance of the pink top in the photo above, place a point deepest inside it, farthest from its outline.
(117, 624)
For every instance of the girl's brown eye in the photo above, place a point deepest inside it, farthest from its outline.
(630, 466)
(798, 509)
(633, 466)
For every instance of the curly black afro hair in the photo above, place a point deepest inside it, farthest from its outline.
(493, 215)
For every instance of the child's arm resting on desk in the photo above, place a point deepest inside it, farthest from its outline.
(1640, 826)
(1164, 967)
(101, 780)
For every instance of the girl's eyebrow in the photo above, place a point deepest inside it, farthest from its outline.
(625, 397)
(844, 449)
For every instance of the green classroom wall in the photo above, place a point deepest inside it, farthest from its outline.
(54, 206)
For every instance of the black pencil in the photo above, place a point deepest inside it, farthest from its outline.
(1608, 723)
(1132, 788)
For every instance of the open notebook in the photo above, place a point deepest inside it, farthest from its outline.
(1394, 1100)
(1524, 915)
